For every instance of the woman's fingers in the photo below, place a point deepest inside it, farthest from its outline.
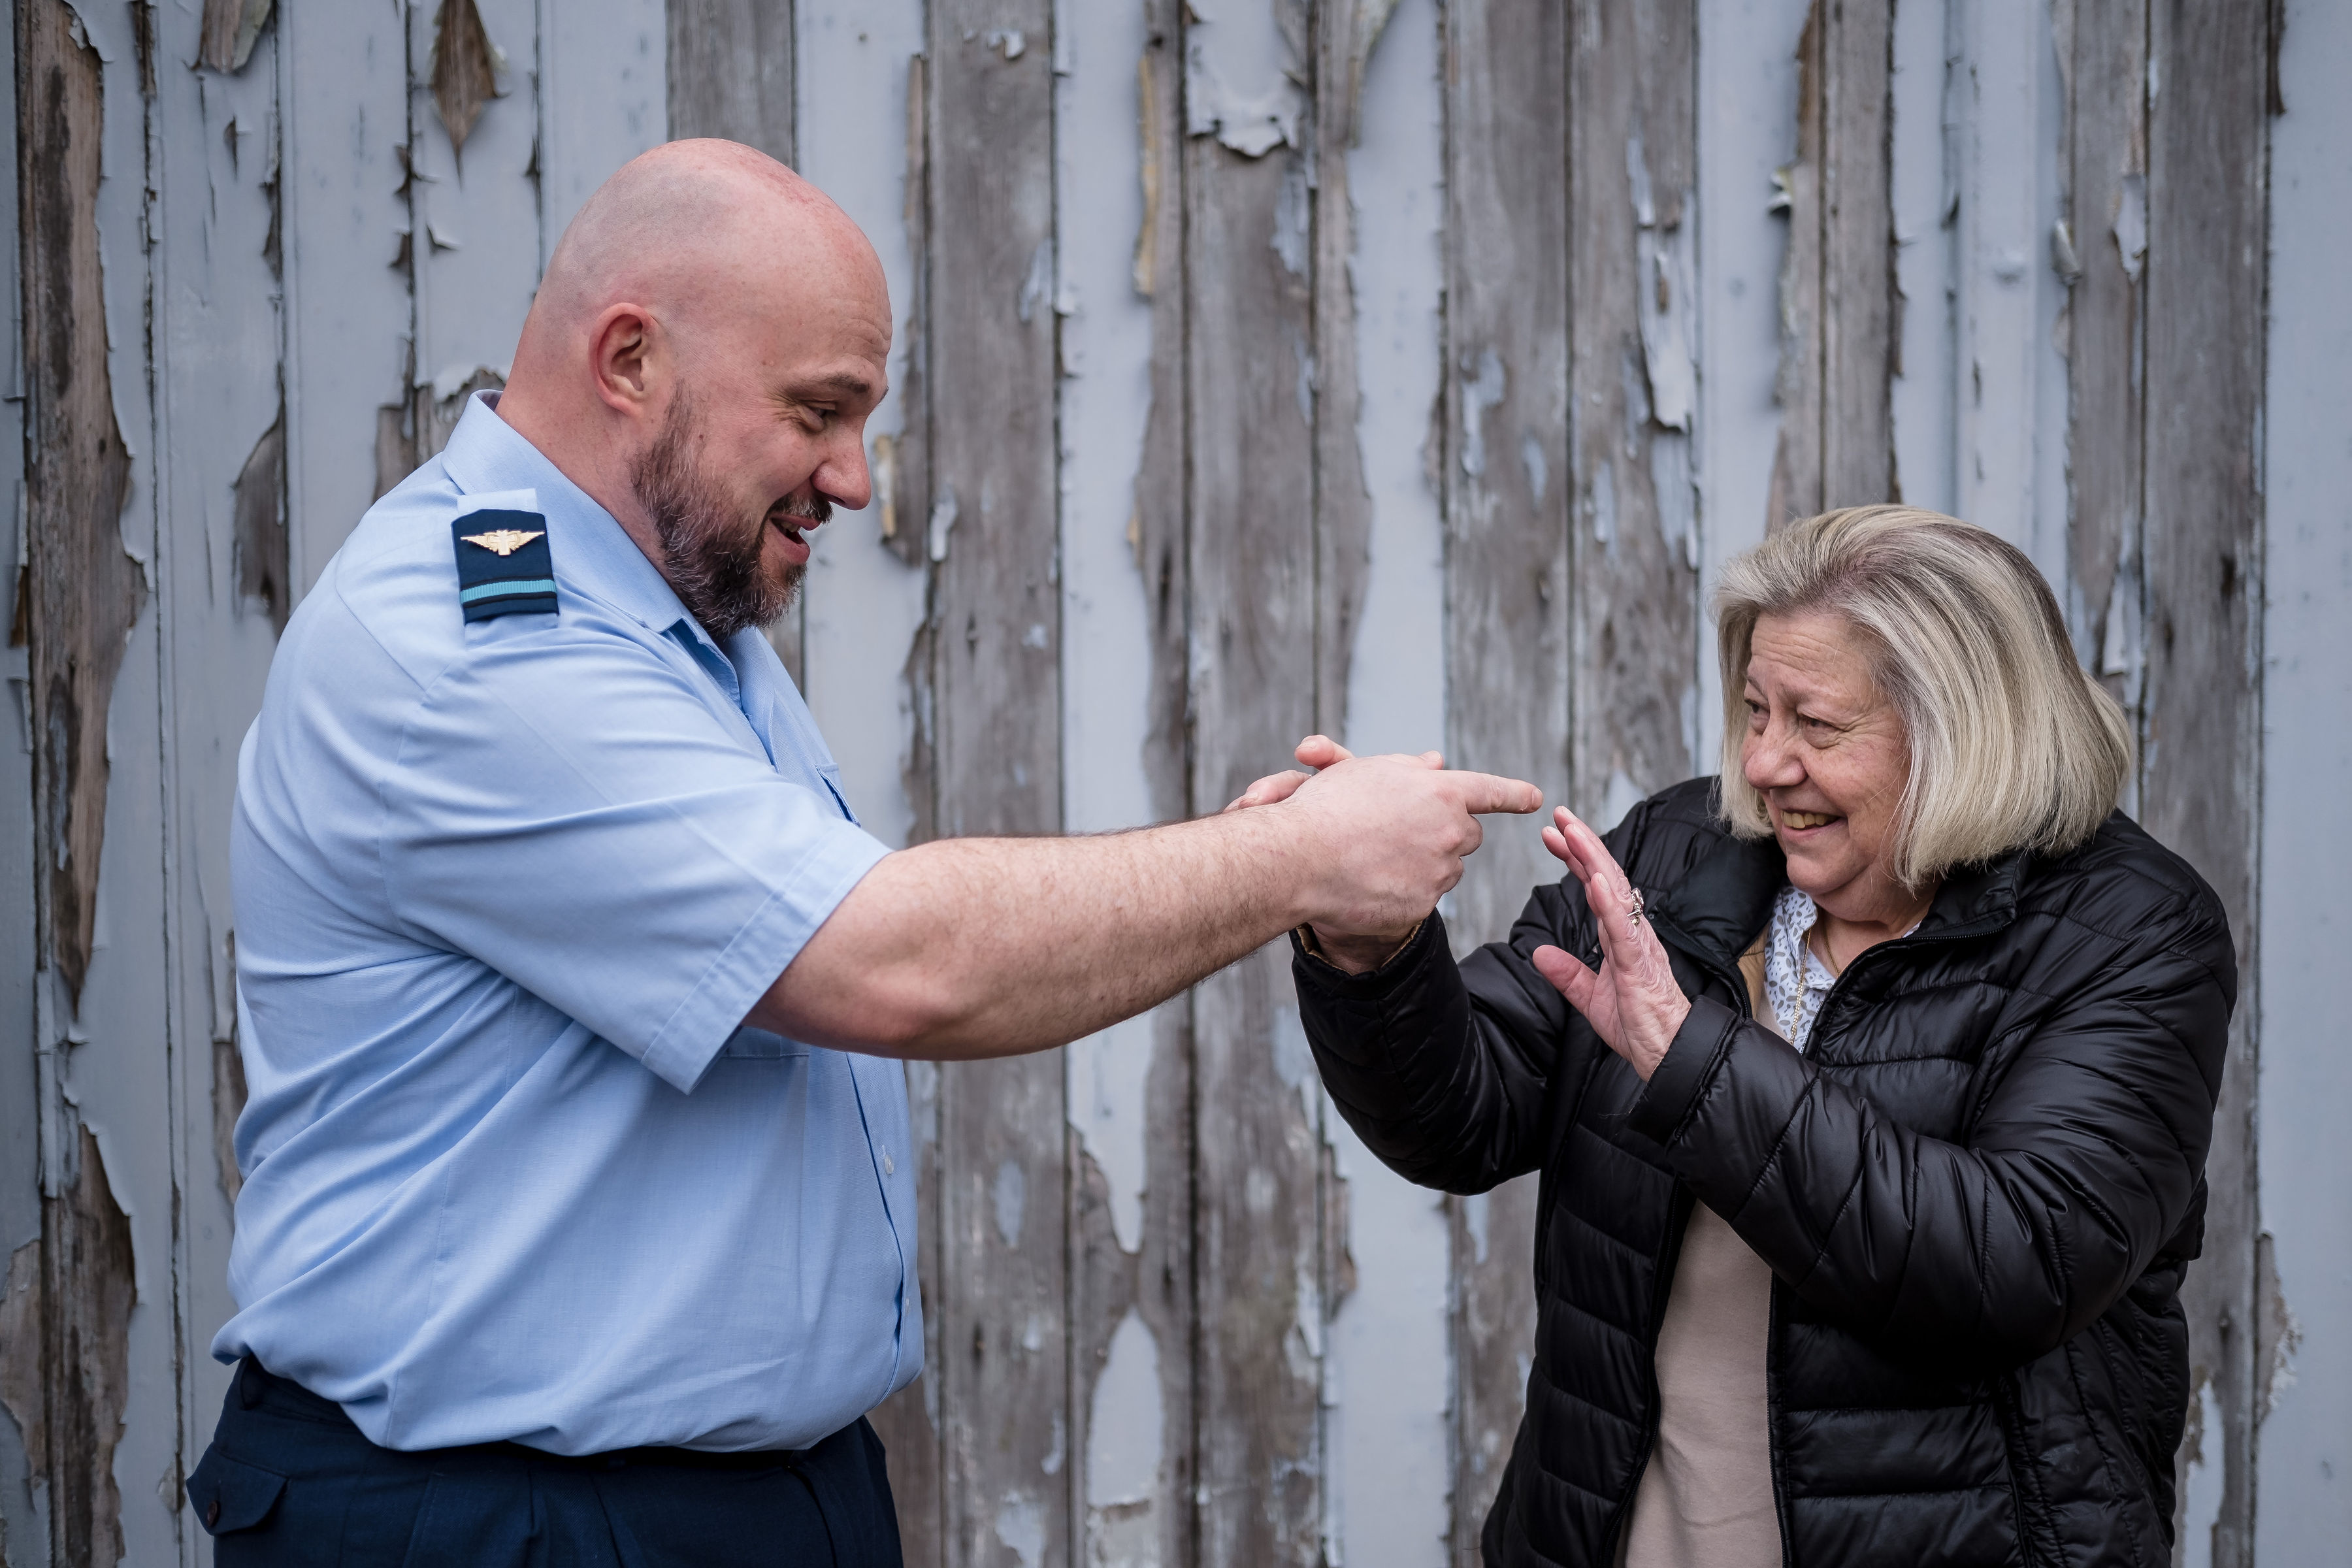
(1567, 975)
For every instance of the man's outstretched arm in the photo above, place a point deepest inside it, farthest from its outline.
(988, 947)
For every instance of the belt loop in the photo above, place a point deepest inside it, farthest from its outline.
(250, 1382)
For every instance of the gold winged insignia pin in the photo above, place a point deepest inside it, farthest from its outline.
(501, 541)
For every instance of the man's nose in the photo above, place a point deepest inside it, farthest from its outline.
(844, 477)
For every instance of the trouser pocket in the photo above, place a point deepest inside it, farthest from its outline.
(229, 1495)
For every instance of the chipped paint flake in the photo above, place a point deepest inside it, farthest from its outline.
(1021, 1526)
(465, 70)
(1481, 393)
(1242, 78)
(1010, 1196)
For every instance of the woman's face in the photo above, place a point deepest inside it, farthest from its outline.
(1828, 753)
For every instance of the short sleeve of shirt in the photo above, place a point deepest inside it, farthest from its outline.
(567, 808)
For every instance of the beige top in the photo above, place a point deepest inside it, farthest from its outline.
(1706, 1500)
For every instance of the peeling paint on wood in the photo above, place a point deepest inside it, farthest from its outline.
(1506, 484)
(65, 1367)
(1251, 551)
(2200, 728)
(261, 569)
(465, 70)
(1837, 282)
(1632, 148)
(2303, 1443)
(86, 590)
(996, 656)
(2107, 157)
(231, 28)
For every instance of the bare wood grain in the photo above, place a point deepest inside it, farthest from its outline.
(995, 655)
(86, 591)
(1343, 34)
(1838, 286)
(1858, 281)
(1250, 329)
(1632, 169)
(1796, 488)
(731, 72)
(730, 75)
(2107, 171)
(2208, 225)
(1505, 488)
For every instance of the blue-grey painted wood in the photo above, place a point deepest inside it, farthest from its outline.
(215, 357)
(2304, 1281)
(344, 220)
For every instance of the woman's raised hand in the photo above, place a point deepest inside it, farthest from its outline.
(1632, 1002)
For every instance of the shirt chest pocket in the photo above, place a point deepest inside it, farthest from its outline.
(757, 1045)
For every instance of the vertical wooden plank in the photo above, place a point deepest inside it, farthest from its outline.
(1921, 198)
(1379, 296)
(475, 211)
(603, 98)
(1507, 482)
(344, 222)
(1632, 178)
(730, 66)
(1249, 334)
(2201, 767)
(20, 1112)
(2106, 231)
(2303, 1278)
(67, 1375)
(1747, 115)
(1116, 99)
(1857, 254)
(223, 591)
(731, 72)
(1838, 282)
(995, 641)
(2007, 277)
(865, 601)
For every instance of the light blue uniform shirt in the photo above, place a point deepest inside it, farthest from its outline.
(504, 892)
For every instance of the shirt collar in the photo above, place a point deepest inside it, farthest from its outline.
(593, 552)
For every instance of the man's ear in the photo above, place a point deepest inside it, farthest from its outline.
(624, 352)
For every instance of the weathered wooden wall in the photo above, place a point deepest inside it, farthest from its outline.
(1399, 368)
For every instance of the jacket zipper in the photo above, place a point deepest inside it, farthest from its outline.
(1738, 985)
(1677, 1221)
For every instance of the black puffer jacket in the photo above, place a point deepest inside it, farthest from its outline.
(1978, 1191)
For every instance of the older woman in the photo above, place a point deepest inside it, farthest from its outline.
(1870, 1084)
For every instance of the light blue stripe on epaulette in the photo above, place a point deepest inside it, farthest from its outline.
(507, 590)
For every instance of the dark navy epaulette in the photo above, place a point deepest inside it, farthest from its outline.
(504, 567)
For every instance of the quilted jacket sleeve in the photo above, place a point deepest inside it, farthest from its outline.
(2086, 1159)
(1444, 1070)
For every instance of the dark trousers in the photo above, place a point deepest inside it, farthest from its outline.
(290, 1480)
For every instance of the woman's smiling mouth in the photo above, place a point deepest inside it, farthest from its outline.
(1801, 821)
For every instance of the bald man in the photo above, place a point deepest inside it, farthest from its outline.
(578, 1215)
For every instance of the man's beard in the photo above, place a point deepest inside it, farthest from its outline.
(711, 554)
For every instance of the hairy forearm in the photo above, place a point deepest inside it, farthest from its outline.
(983, 947)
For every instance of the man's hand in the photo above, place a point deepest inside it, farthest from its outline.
(1399, 829)
(985, 947)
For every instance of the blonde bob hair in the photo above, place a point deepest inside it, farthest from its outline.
(2012, 745)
